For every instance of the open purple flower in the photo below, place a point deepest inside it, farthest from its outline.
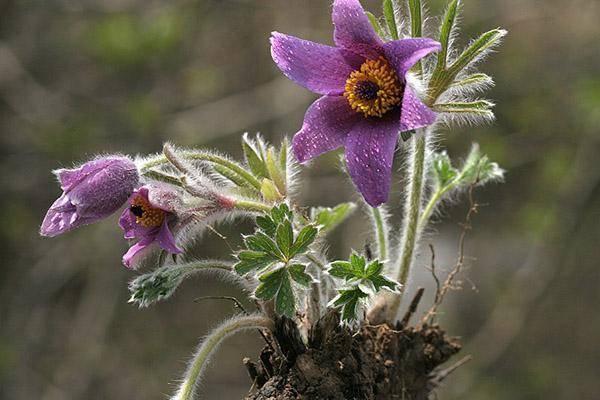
(91, 192)
(366, 101)
(151, 210)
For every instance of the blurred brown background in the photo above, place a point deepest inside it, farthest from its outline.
(82, 77)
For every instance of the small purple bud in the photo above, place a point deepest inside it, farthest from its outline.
(91, 192)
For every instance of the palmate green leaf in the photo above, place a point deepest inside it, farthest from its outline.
(373, 269)
(262, 242)
(298, 274)
(305, 238)
(161, 283)
(266, 224)
(443, 171)
(280, 213)
(390, 18)
(276, 285)
(284, 236)
(250, 260)
(349, 300)
(269, 284)
(380, 282)
(329, 218)
(285, 302)
(478, 169)
(341, 269)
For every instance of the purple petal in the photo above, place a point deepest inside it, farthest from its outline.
(405, 53)
(326, 125)
(353, 31)
(166, 240)
(414, 113)
(319, 68)
(127, 223)
(369, 155)
(137, 252)
(164, 197)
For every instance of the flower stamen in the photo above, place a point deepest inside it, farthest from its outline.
(146, 215)
(374, 89)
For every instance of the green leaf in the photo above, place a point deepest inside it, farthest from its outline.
(266, 224)
(480, 107)
(285, 302)
(448, 25)
(262, 242)
(280, 213)
(416, 18)
(329, 218)
(249, 260)
(477, 48)
(253, 158)
(478, 169)
(358, 263)
(283, 157)
(161, 283)
(284, 237)
(298, 274)
(375, 24)
(341, 269)
(479, 80)
(305, 238)
(270, 284)
(274, 169)
(444, 172)
(374, 268)
(232, 176)
(381, 281)
(348, 301)
(390, 19)
(269, 191)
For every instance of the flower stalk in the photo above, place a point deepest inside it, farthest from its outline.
(200, 360)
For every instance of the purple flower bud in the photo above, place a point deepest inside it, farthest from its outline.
(91, 192)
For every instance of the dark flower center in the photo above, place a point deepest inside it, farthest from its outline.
(146, 215)
(374, 89)
(366, 90)
(137, 210)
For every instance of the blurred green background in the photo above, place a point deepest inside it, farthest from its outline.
(83, 77)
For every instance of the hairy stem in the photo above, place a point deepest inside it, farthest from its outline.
(198, 364)
(412, 210)
(253, 206)
(204, 156)
(431, 205)
(381, 233)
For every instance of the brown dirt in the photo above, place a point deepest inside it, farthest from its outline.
(373, 362)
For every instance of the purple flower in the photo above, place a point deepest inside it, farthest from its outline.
(366, 101)
(151, 209)
(91, 192)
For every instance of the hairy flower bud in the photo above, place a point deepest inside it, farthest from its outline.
(91, 192)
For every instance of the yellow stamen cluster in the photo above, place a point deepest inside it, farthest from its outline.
(374, 89)
(146, 215)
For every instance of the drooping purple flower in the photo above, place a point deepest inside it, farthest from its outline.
(91, 192)
(151, 210)
(365, 101)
